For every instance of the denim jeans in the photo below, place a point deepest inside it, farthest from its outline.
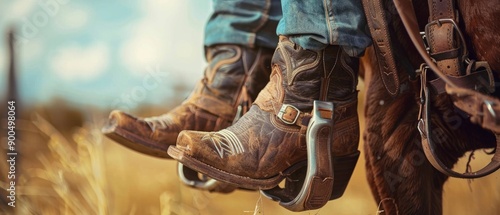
(244, 22)
(312, 24)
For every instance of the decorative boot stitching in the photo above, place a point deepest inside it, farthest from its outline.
(231, 60)
(159, 122)
(225, 142)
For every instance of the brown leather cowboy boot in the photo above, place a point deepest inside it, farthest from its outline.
(233, 78)
(269, 141)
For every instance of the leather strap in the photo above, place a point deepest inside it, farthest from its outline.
(407, 14)
(429, 147)
(289, 114)
(441, 35)
(476, 99)
(379, 29)
(478, 80)
(484, 109)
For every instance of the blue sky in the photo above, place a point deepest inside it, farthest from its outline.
(107, 53)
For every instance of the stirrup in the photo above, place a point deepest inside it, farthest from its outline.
(311, 188)
(193, 179)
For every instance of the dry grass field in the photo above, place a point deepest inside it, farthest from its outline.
(79, 171)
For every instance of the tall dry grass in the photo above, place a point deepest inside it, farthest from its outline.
(70, 180)
(89, 174)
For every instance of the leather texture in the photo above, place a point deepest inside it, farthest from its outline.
(233, 77)
(379, 29)
(479, 106)
(262, 145)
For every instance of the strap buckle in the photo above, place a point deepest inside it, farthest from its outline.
(288, 114)
(465, 53)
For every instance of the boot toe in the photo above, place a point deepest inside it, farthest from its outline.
(200, 146)
(116, 119)
(188, 140)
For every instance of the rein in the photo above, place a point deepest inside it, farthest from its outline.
(446, 55)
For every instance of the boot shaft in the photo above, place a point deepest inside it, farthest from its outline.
(231, 68)
(269, 141)
(301, 76)
(328, 75)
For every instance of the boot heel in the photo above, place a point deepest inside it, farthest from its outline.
(343, 169)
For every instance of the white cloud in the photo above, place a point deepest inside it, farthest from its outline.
(74, 18)
(77, 63)
(166, 35)
(144, 48)
(31, 51)
(14, 12)
(19, 9)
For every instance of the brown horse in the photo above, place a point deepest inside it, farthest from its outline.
(400, 176)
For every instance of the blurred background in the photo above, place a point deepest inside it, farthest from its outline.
(94, 52)
(77, 60)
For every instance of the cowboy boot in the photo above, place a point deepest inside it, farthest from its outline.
(269, 143)
(232, 80)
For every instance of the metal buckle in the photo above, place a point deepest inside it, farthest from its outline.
(439, 22)
(426, 44)
(283, 110)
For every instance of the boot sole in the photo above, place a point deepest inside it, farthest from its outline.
(134, 142)
(192, 179)
(221, 175)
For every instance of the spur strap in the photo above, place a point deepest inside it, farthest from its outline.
(483, 109)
